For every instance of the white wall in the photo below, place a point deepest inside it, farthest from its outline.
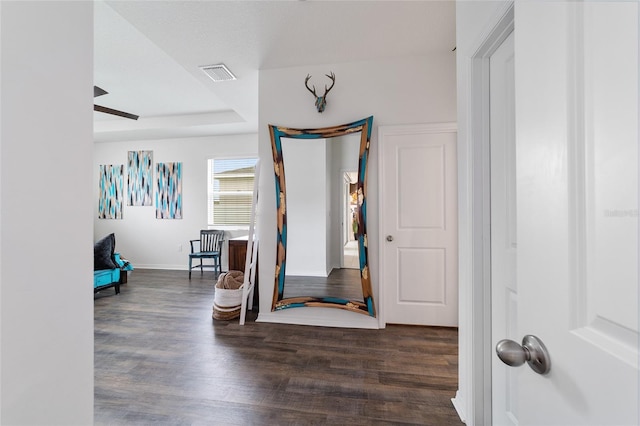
(304, 162)
(399, 91)
(154, 243)
(46, 305)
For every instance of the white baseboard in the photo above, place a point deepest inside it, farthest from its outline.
(459, 406)
(163, 267)
(322, 317)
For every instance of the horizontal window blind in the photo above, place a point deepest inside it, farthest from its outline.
(230, 190)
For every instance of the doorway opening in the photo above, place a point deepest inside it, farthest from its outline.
(350, 257)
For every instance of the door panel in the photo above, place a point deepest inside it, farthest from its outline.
(433, 290)
(420, 187)
(608, 299)
(418, 212)
(577, 185)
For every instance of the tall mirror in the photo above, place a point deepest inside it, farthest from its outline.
(322, 247)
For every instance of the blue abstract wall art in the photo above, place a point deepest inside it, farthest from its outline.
(140, 182)
(111, 187)
(169, 191)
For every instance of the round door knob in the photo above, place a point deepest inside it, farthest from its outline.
(389, 238)
(511, 353)
(532, 351)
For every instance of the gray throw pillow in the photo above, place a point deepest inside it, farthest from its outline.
(103, 253)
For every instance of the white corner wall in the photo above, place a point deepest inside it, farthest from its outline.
(150, 243)
(46, 304)
(399, 91)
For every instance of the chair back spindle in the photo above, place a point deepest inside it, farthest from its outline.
(210, 247)
(211, 240)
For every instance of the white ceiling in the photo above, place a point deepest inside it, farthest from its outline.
(147, 55)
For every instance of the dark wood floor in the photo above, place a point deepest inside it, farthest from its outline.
(343, 283)
(161, 359)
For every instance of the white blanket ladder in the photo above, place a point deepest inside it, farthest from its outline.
(251, 260)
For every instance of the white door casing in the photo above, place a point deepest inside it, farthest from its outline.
(504, 288)
(480, 29)
(418, 216)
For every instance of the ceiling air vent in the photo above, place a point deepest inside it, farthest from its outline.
(218, 72)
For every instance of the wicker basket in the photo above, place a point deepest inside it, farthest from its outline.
(227, 299)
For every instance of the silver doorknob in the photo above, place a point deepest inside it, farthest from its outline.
(389, 238)
(532, 351)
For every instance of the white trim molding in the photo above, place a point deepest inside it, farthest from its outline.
(473, 398)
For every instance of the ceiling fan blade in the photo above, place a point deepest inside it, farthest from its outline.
(97, 91)
(114, 112)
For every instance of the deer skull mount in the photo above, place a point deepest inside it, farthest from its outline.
(321, 101)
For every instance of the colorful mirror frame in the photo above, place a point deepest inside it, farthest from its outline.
(279, 301)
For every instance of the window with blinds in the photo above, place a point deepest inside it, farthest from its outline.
(230, 190)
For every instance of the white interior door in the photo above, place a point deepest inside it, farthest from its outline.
(504, 288)
(418, 200)
(576, 68)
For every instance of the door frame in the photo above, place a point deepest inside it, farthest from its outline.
(473, 399)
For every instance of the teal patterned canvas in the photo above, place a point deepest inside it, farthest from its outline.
(169, 191)
(111, 186)
(140, 178)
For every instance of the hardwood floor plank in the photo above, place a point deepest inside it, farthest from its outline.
(161, 359)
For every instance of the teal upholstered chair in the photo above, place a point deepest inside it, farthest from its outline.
(209, 246)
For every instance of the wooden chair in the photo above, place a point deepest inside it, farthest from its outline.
(209, 246)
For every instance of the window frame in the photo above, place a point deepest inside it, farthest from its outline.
(211, 192)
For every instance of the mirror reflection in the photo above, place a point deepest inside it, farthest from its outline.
(322, 245)
(322, 252)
